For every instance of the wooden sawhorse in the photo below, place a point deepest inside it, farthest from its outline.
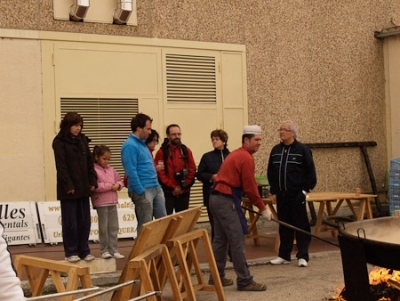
(153, 233)
(30, 264)
(183, 248)
(151, 276)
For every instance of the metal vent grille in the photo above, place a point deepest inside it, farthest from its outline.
(105, 121)
(190, 78)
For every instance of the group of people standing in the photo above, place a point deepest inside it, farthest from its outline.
(161, 185)
(227, 176)
(156, 189)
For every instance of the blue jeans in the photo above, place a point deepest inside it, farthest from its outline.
(148, 204)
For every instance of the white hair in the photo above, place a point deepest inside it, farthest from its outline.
(293, 127)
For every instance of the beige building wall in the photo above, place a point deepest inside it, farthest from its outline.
(21, 124)
(316, 62)
(83, 66)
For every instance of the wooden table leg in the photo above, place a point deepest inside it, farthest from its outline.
(253, 218)
(361, 211)
(330, 213)
(318, 222)
(368, 208)
(338, 204)
(353, 210)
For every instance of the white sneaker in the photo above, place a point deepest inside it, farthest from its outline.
(89, 257)
(118, 255)
(73, 258)
(106, 255)
(278, 260)
(302, 262)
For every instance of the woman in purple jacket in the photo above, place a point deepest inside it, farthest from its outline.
(105, 200)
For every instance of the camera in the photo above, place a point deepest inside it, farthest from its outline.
(181, 177)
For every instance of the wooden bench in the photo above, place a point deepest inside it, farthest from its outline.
(38, 269)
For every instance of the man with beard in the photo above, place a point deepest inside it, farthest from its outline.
(143, 186)
(179, 171)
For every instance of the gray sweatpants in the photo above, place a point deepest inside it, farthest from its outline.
(228, 232)
(108, 229)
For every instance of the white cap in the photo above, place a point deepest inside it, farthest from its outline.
(252, 129)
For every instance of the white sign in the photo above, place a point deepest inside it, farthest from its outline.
(21, 225)
(50, 218)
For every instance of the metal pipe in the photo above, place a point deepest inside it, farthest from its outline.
(155, 293)
(110, 289)
(62, 294)
(293, 227)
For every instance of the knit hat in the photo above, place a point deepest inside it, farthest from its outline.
(252, 129)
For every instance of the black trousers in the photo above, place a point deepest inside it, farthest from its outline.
(75, 215)
(179, 203)
(292, 210)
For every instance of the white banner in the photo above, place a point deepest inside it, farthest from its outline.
(50, 219)
(21, 225)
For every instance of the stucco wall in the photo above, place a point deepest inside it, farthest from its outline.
(315, 62)
(21, 122)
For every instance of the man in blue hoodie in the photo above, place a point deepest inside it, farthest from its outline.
(143, 186)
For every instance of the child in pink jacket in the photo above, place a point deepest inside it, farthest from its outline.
(105, 200)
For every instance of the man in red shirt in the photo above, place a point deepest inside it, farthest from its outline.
(235, 177)
(179, 171)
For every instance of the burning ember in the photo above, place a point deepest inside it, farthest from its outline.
(384, 286)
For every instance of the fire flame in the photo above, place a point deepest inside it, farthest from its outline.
(382, 275)
(376, 277)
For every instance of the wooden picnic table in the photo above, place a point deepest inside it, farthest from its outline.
(325, 200)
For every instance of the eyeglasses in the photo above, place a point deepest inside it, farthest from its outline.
(285, 130)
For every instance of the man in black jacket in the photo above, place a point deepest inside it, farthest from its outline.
(291, 173)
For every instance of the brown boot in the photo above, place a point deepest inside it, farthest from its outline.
(253, 287)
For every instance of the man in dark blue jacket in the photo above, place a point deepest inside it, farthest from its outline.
(291, 173)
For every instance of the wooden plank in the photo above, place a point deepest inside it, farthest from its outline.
(44, 273)
(50, 264)
(341, 144)
(86, 282)
(371, 178)
(56, 277)
(32, 279)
